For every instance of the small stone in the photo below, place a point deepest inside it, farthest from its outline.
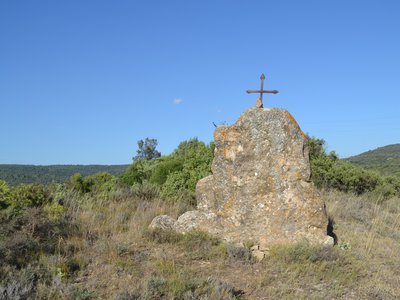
(259, 103)
(255, 248)
(162, 222)
(329, 241)
(259, 255)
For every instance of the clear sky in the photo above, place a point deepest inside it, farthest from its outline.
(82, 81)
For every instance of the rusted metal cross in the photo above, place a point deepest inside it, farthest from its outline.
(259, 102)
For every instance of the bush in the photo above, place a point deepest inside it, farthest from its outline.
(176, 174)
(138, 172)
(175, 185)
(145, 191)
(76, 183)
(389, 186)
(29, 195)
(27, 235)
(197, 158)
(97, 181)
(83, 294)
(55, 211)
(164, 168)
(101, 183)
(343, 176)
(21, 284)
(328, 171)
(5, 194)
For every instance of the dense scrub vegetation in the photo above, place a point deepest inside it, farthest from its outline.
(88, 238)
(385, 160)
(175, 175)
(17, 174)
(330, 172)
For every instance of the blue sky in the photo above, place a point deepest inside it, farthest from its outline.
(82, 81)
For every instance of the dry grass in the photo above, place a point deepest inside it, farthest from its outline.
(370, 227)
(116, 256)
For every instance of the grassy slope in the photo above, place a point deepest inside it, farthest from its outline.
(385, 159)
(121, 259)
(16, 174)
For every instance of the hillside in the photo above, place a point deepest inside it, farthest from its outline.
(16, 174)
(98, 246)
(90, 239)
(385, 160)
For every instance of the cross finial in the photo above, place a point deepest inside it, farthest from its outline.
(259, 102)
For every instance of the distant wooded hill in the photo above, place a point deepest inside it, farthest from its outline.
(385, 159)
(16, 174)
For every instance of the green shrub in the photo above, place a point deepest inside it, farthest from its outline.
(145, 191)
(101, 184)
(83, 294)
(67, 267)
(5, 194)
(328, 171)
(196, 158)
(138, 172)
(176, 174)
(95, 182)
(343, 176)
(76, 183)
(27, 235)
(164, 168)
(389, 186)
(19, 249)
(157, 287)
(29, 195)
(109, 186)
(55, 211)
(175, 185)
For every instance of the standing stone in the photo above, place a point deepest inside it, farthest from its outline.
(260, 190)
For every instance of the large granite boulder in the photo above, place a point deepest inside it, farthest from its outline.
(260, 190)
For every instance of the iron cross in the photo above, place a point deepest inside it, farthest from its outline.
(259, 102)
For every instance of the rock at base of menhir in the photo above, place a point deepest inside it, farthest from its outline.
(260, 190)
(162, 222)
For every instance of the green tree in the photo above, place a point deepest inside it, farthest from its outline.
(316, 147)
(147, 150)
